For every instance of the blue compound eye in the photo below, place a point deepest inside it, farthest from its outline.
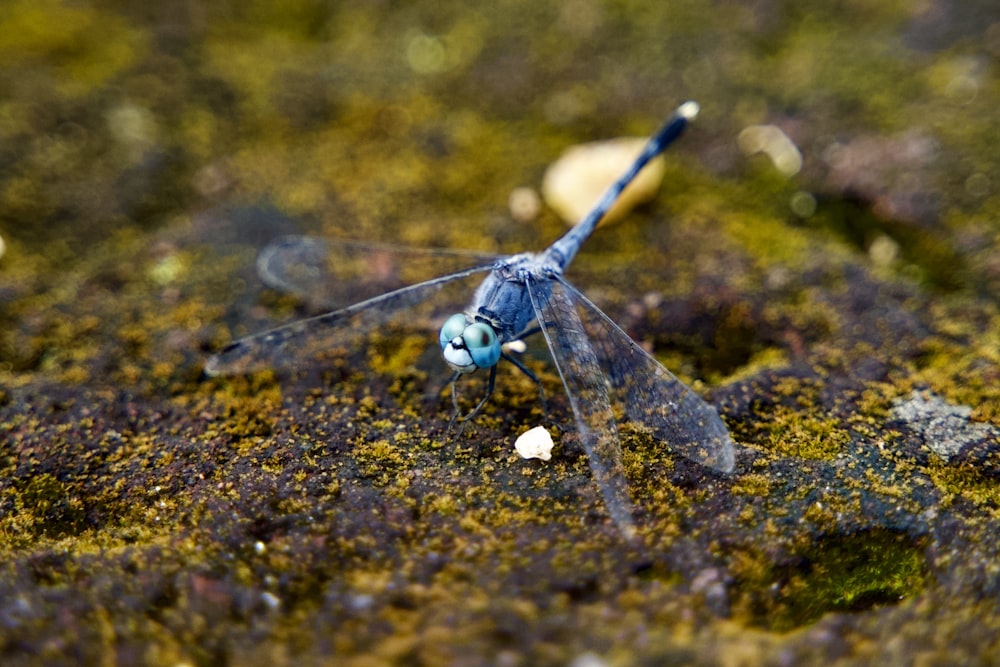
(481, 341)
(452, 328)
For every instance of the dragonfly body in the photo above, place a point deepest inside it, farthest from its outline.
(522, 294)
(519, 286)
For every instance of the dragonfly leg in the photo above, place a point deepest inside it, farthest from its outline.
(459, 417)
(454, 393)
(530, 332)
(534, 378)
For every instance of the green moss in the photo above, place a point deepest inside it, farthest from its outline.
(753, 485)
(329, 514)
(807, 436)
(251, 405)
(841, 573)
(48, 507)
(86, 46)
(378, 458)
(951, 364)
(799, 429)
(967, 482)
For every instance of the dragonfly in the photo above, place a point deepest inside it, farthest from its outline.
(521, 295)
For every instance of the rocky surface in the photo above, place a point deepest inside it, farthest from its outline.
(844, 320)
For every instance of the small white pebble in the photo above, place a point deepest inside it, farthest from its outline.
(883, 251)
(516, 346)
(259, 548)
(588, 659)
(773, 142)
(270, 600)
(575, 182)
(360, 603)
(534, 444)
(524, 204)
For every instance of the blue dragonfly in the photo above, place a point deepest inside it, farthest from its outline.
(524, 294)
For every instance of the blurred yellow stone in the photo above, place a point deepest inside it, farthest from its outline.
(575, 182)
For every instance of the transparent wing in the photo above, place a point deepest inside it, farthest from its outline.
(651, 394)
(326, 273)
(305, 338)
(579, 367)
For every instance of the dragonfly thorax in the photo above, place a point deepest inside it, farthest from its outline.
(503, 299)
(467, 345)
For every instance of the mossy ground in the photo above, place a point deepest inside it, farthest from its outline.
(328, 514)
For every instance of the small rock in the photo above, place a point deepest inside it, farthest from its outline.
(575, 182)
(773, 142)
(945, 428)
(535, 444)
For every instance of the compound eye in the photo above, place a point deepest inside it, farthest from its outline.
(452, 328)
(482, 343)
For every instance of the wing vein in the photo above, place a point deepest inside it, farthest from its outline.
(270, 347)
(652, 395)
(578, 366)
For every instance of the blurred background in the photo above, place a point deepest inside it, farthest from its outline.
(142, 132)
(415, 121)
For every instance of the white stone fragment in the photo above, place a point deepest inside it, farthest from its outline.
(516, 346)
(534, 444)
(573, 183)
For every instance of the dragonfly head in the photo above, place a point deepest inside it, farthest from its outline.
(468, 345)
